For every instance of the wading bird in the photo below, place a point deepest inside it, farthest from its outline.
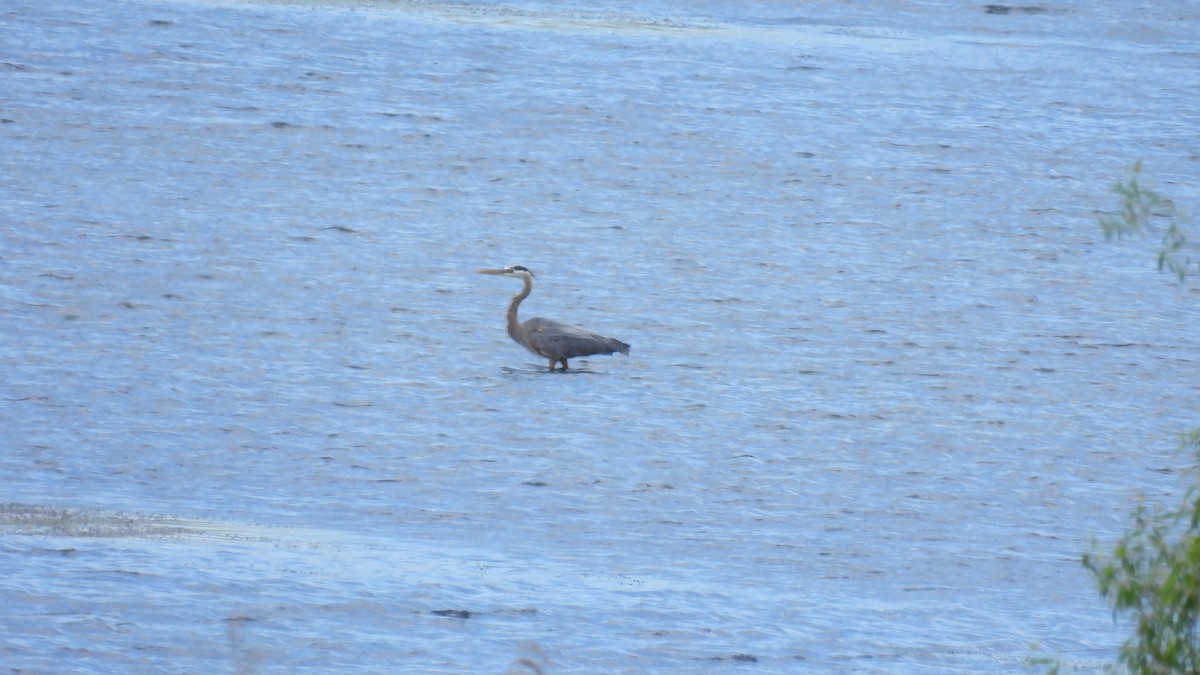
(547, 338)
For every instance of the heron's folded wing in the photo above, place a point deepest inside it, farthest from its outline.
(555, 339)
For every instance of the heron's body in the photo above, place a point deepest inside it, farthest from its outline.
(549, 339)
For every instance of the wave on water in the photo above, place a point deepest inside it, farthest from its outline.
(47, 521)
(502, 14)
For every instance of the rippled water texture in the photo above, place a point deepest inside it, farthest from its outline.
(887, 383)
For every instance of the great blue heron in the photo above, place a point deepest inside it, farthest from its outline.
(547, 338)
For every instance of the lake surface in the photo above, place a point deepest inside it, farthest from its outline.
(888, 381)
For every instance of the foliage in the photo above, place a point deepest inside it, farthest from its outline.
(1141, 210)
(1153, 576)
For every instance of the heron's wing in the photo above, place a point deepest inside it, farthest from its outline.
(554, 339)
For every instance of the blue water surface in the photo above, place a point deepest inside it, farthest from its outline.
(888, 381)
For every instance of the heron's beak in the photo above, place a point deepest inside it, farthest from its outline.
(490, 271)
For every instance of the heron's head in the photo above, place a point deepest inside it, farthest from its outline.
(518, 271)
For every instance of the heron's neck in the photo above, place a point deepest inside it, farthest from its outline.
(516, 302)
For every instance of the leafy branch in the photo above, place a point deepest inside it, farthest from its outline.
(1142, 209)
(1153, 575)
